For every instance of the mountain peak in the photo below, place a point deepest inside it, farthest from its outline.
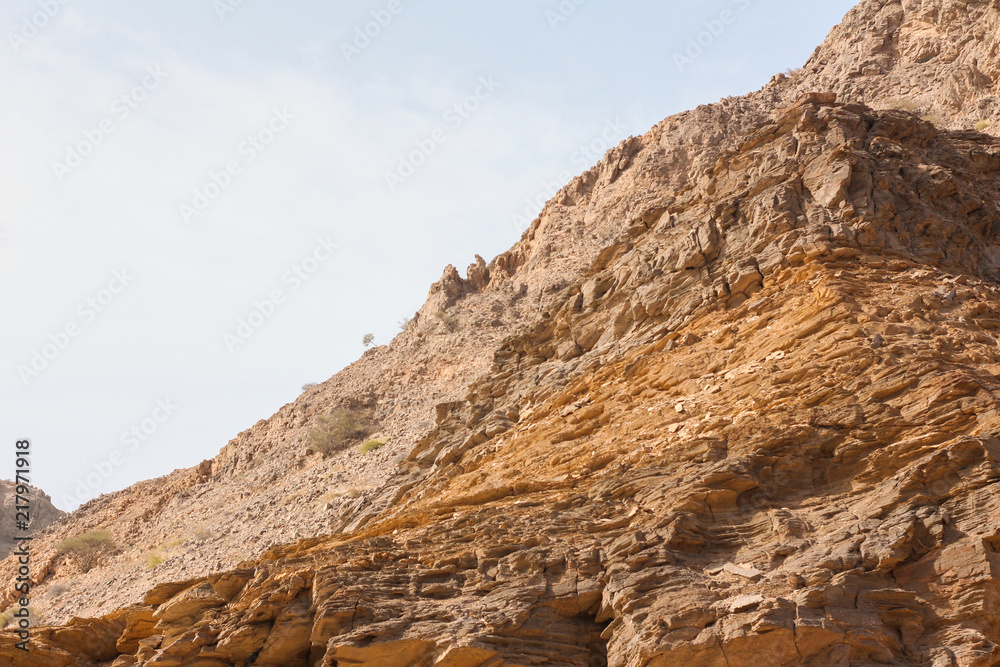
(937, 58)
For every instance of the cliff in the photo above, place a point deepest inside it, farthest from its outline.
(733, 399)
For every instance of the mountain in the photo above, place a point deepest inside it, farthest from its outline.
(42, 514)
(733, 399)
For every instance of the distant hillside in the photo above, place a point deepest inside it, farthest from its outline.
(43, 514)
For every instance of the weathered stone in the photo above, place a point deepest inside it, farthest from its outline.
(747, 572)
(765, 332)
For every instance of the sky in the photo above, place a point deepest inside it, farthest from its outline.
(205, 204)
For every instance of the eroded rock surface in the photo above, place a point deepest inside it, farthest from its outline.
(734, 399)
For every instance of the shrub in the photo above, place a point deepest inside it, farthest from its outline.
(337, 431)
(95, 540)
(371, 446)
(403, 323)
(158, 556)
(8, 616)
(983, 125)
(309, 385)
(55, 590)
(934, 118)
(89, 547)
(368, 339)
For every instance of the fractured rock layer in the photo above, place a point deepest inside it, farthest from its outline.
(738, 403)
(774, 441)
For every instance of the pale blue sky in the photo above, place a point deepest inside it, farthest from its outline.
(116, 114)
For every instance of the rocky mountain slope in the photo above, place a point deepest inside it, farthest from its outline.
(732, 399)
(936, 58)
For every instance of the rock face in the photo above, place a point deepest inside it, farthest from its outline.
(733, 400)
(937, 58)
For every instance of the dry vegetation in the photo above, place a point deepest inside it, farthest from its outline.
(337, 431)
(88, 548)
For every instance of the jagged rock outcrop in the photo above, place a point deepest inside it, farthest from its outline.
(734, 399)
(937, 58)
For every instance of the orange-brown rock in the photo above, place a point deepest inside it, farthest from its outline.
(734, 399)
